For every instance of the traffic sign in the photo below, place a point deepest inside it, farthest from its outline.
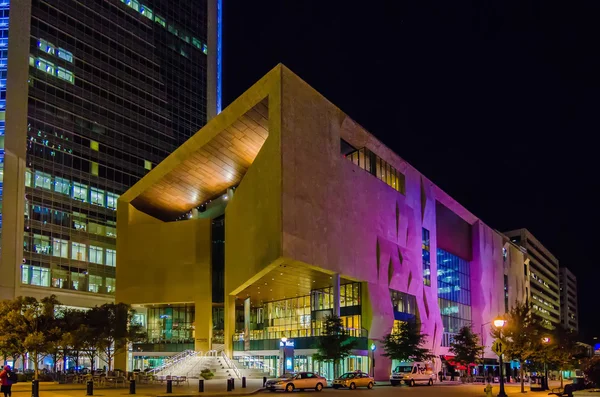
(498, 347)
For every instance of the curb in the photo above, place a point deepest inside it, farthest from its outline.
(220, 394)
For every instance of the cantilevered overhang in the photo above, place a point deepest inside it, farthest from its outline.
(214, 159)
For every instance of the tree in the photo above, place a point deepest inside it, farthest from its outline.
(111, 329)
(466, 347)
(591, 369)
(518, 336)
(335, 344)
(405, 343)
(31, 321)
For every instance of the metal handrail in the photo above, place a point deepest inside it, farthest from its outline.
(231, 365)
(172, 360)
(264, 367)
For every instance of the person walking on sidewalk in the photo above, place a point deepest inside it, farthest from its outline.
(6, 381)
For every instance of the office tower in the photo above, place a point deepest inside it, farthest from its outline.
(94, 94)
(569, 313)
(543, 273)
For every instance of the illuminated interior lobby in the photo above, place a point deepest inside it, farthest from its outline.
(281, 211)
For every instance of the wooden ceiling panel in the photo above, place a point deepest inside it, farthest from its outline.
(210, 170)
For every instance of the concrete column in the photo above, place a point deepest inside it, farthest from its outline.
(229, 316)
(336, 294)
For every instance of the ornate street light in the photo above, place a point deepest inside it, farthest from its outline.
(499, 323)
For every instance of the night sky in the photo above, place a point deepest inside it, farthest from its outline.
(497, 102)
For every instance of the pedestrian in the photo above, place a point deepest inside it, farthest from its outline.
(7, 378)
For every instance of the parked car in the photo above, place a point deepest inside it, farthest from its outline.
(352, 380)
(301, 380)
(412, 373)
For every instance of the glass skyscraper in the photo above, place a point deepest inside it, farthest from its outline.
(93, 95)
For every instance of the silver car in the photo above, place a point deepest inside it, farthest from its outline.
(300, 381)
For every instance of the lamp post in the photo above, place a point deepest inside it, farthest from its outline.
(283, 340)
(545, 341)
(499, 323)
(373, 348)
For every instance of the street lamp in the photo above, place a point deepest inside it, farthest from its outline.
(499, 323)
(373, 347)
(545, 340)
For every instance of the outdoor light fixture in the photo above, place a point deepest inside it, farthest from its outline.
(499, 323)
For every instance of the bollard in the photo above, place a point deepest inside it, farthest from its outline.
(264, 381)
(35, 388)
(169, 386)
(243, 382)
(232, 383)
(201, 386)
(90, 388)
(228, 384)
(132, 386)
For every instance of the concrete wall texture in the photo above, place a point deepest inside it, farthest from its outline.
(302, 201)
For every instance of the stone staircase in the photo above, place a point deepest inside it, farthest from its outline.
(250, 371)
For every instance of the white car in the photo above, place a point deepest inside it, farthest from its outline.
(300, 381)
(413, 373)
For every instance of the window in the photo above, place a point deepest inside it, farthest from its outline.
(160, 20)
(80, 191)
(111, 257)
(41, 244)
(454, 293)
(505, 293)
(46, 47)
(64, 74)
(111, 200)
(43, 180)
(79, 225)
(426, 257)
(97, 196)
(45, 66)
(110, 285)
(147, 165)
(147, 12)
(196, 43)
(60, 248)
(111, 231)
(62, 185)
(93, 168)
(373, 164)
(64, 54)
(96, 228)
(95, 283)
(405, 305)
(96, 254)
(60, 278)
(94, 145)
(28, 177)
(78, 251)
(34, 275)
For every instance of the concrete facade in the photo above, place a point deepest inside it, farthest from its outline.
(304, 214)
(544, 277)
(569, 313)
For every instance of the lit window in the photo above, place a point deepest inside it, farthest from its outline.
(147, 165)
(45, 66)
(147, 12)
(204, 48)
(46, 47)
(31, 60)
(95, 283)
(28, 177)
(64, 74)
(34, 275)
(172, 29)
(43, 180)
(78, 251)
(80, 191)
(93, 168)
(80, 225)
(94, 145)
(60, 248)
(62, 185)
(196, 43)
(111, 257)
(41, 244)
(96, 254)
(111, 200)
(64, 54)
(97, 196)
(111, 231)
(96, 228)
(160, 20)
(110, 285)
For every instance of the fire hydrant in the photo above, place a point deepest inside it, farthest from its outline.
(488, 390)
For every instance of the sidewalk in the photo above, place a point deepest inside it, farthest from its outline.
(211, 388)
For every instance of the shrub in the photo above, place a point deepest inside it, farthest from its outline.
(206, 374)
(592, 370)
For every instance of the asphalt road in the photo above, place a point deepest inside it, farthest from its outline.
(447, 390)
